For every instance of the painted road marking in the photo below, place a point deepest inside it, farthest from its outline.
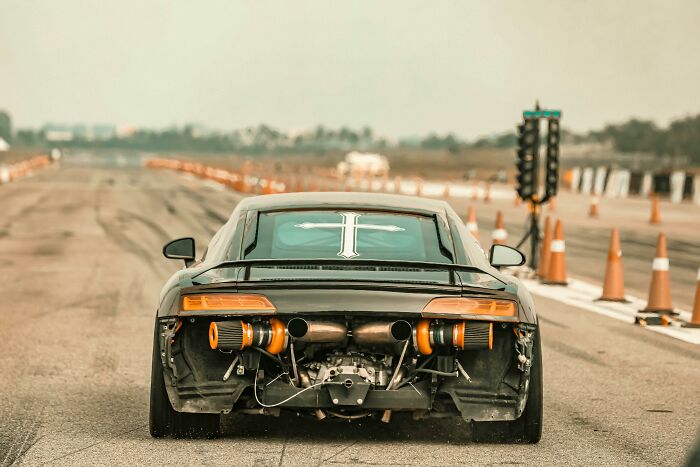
(583, 295)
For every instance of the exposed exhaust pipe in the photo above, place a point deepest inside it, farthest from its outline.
(316, 331)
(382, 332)
(306, 382)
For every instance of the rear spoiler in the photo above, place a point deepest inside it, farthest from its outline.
(250, 263)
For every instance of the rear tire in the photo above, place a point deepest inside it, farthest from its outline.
(163, 420)
(527, 428)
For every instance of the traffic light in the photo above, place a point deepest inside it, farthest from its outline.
(552, 164)
(527, 158)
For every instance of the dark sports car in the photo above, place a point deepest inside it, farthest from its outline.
(346, 305)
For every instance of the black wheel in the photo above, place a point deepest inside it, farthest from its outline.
(163, 420)
(527, 428)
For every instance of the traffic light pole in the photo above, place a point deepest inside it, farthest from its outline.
(529, 171)
(534, 233)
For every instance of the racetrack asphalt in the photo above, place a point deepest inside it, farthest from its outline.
(82, 269)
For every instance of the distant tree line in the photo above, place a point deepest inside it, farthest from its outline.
(681, 137)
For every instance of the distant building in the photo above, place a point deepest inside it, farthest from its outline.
(361, 163)
(62, 133)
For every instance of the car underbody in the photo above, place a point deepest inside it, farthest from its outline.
(346, 366)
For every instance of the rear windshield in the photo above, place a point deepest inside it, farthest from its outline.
(347, 235)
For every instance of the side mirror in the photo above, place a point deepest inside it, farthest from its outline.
(502, 255)
(182, 248)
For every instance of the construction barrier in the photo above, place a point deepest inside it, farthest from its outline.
(678, 185)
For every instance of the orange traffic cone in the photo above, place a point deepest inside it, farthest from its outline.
(475, 191)
(397, 185)
(614, 283)
(446, 191)
(695, 319)
(552, 204)
(545, 251)
(660, 288)
(500, 234)
(655, 210)
(487, 193)
(419, 186)
(517, 201)
(472, 225)
(593, 210)
(557, 260)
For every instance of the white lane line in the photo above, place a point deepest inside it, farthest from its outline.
(582, 295)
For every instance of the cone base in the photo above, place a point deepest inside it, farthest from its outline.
(657, 320)
(554, 283)
(662, 311)
(608, 299)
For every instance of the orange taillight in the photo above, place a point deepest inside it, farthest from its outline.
(252, 303)
(476, 308)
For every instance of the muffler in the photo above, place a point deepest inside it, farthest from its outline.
(382, 332)
(316, 331)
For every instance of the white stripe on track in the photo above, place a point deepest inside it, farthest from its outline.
(582, 295)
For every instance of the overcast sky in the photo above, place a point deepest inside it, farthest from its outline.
(403, 67)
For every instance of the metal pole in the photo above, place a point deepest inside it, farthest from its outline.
(534, 234)
(535, 203)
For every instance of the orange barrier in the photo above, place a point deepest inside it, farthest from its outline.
(660, 288)
(472, 225)
(593, 209)
(556, 275)
(23, 168)
(500, 234)
(695, 318)
(545, 250)
(655, 210)
(614, 283)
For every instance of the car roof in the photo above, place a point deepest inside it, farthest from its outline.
(334, 199)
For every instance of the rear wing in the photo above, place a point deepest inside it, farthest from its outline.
(248, 264)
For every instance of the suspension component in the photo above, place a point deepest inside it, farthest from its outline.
(237, 335)
(462, 335)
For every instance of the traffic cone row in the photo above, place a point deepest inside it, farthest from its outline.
(556, 269)
(545, 252)
(472, 225)
(655, 210)
(660, 288)
(614, 283)
(593, 209)
(695, 318)
(500, 234)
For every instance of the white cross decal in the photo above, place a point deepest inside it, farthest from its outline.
(349, 226)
